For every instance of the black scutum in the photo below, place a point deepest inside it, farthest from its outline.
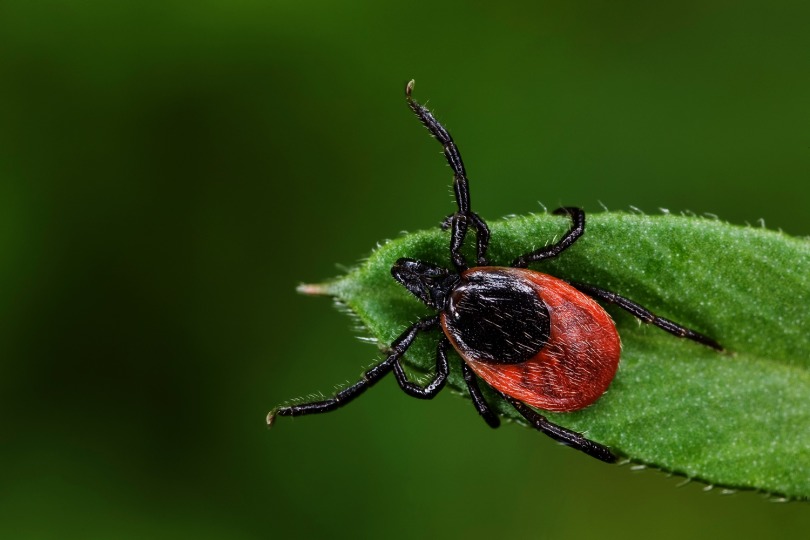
(496, 317)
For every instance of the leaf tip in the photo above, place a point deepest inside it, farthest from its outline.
(315, 289)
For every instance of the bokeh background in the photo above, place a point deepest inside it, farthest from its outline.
(170, 171)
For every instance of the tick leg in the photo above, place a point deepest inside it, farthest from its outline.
(645, 315)
(439, 379)
(461, 188)
(451, 153)
(477, 396)
(458, 230)
(370, 377)
(560, 434)
(548, 252)
(481, 238)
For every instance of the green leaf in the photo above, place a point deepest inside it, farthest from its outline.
(739, 419)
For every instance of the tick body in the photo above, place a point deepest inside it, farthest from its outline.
(539, 341)
(533, 337)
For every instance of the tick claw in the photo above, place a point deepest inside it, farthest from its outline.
(271, 418)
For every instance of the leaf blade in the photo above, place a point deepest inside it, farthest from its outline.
(739, 419)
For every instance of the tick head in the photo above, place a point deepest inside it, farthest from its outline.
(430, 283)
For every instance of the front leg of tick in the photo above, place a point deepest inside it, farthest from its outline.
(433, 387)
(460, 222)
(373, 375)
(459, 225)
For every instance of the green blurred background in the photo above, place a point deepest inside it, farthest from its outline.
(170, 172)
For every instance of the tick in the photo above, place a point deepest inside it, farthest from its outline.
(539, 341)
